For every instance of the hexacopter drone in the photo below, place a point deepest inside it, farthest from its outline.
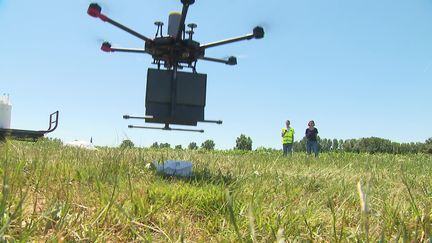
(173, 97)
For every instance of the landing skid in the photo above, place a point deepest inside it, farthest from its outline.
(167, 127)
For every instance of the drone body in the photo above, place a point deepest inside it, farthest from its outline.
(173, 97)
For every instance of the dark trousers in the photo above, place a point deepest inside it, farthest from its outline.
(287, 149)
(312, 146)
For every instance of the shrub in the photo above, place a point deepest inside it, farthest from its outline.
(127, 144)
(243, 143)
(164, 145)
(208, 144)
(192, 146)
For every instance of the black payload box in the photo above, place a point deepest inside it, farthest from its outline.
(180, 100)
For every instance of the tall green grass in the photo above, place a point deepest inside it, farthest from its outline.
(55, 193)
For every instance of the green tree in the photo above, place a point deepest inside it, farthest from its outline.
(243, 143)
(127, 144)
(325, 144)
(348, 145)
(192, 146)
(341, 142)
(155, 145)
(178, 147)
(428, 146)
(300, 146)
(335, 145)
(164, 145)
(428, 149)
(396, 148)
(208, 144)
(375, 145)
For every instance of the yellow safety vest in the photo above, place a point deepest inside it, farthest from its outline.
(288, 135)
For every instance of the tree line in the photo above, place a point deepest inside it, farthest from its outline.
(368, 145)
(361, 145)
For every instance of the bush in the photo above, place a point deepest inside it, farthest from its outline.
(243, 143)
(428, 146)
(208, 145)
(428, 149)
(164, 145)
(127, 144)
(192, 146)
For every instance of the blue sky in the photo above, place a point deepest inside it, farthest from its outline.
(358, 68)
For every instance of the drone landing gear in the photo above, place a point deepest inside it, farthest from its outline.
(167, 127)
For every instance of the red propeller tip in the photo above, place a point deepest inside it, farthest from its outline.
(94, 10)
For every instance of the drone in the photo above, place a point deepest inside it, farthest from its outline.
(173, 96)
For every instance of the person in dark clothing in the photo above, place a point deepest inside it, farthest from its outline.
(311, 137)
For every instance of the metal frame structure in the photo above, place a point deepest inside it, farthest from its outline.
(172, 53)
(30, 134)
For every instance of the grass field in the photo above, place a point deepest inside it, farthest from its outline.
(54, 193)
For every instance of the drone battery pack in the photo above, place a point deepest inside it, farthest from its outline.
(187, 90)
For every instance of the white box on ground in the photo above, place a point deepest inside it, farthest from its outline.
(175, 167)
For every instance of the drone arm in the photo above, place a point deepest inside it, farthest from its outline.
(258, 33)
(231, 60)
(133, 50)
(106, 47)
(94, 10)
(227, 41)
(132, 32)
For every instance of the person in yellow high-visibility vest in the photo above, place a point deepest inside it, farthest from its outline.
(287, 139)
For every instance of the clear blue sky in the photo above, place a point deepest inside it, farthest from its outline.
(358, 68)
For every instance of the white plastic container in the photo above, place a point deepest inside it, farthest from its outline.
(173, 23)
(175, 168)
(5, 111)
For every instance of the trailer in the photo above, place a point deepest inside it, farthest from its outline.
(21, 134)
